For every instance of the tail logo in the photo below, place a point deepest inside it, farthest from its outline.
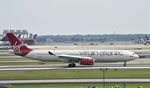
(17, 47)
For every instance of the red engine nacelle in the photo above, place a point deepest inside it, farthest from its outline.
(87, 62)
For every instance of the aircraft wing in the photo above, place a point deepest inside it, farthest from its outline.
(73, 57)
(69, 58)
(76, 59)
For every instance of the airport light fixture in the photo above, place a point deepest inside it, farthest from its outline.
(103, 73)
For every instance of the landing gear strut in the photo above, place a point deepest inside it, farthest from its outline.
(125, 64)
(72, 65)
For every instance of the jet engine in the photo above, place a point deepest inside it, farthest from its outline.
(87, 62)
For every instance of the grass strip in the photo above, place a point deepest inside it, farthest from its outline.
(70, 74)
(117, 85)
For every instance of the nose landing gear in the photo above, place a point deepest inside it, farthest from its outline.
(125, 64)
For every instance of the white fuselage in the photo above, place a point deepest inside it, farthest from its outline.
(97, 55)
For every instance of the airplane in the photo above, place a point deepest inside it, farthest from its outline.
(84, 57)
(4, 40)
(145, 41)
(140, 40)
(29, 41)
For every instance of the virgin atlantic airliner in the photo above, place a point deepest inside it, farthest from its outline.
(84, 57)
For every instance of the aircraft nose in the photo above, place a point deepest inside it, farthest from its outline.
(136, 56)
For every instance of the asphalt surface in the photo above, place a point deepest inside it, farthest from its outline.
(65, 68)
(69, 81)
(10, 57)
(17, 61)
(140, 64)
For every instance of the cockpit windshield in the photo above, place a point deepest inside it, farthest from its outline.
(133, 54)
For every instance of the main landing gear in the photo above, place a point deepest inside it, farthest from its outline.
(125, 64)
(72, 65)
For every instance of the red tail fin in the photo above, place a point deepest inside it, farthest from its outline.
(18, 47)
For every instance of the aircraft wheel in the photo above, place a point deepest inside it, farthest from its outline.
(69, 65)
(72, 65)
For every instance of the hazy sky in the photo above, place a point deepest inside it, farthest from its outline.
(76, 16)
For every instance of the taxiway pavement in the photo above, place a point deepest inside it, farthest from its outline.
(65, 68)
(69, 81)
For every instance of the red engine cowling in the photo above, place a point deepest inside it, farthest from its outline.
(87, 62)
